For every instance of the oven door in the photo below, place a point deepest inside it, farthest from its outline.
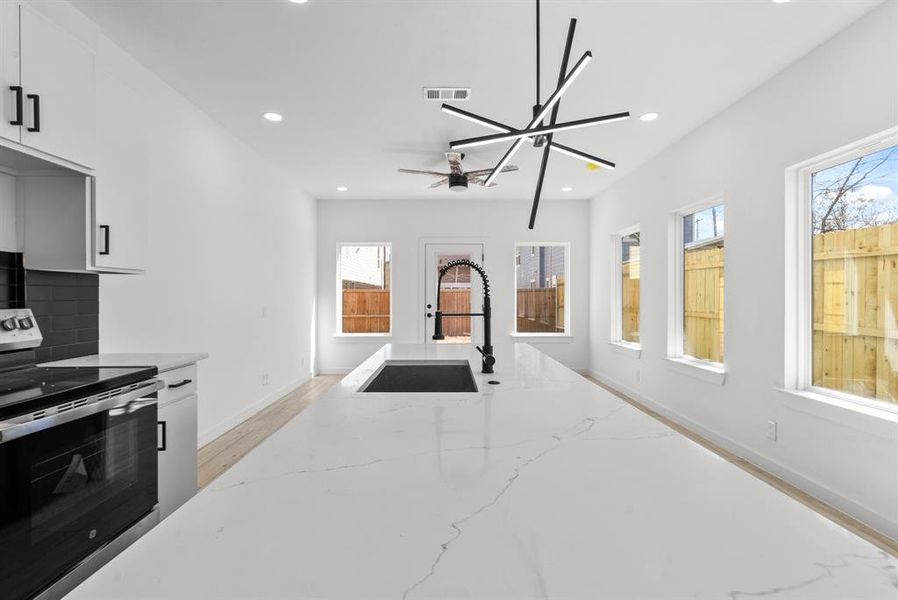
(72, 481)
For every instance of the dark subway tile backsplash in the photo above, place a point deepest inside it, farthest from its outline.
(66, 306)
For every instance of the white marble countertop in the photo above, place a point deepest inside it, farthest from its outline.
(545, 486)
(163, 362)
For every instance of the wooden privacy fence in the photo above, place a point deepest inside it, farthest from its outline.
(855, 338)
(703, 270)
(630, 300)
(541, 310)
(456, 301)
(368, 311)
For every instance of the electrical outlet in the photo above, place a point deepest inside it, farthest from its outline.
(265, 379)
(771, 430)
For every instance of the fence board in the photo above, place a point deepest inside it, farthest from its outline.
(703, 287)
(541, 310)
(366, 311)
(630, 274)
(855, 337)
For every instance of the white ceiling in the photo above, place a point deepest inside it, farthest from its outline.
(347, 76)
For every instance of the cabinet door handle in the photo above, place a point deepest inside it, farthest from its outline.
(20, 118)
(36, 101)
(105, 229)
(177, 385)
(164, 436)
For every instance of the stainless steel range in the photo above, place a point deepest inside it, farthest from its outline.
(78, 471)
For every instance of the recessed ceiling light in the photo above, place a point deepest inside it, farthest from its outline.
(342, 188)
(649, 117)
(567, 188)
(298, 1)
(780, 1)
(273, 117)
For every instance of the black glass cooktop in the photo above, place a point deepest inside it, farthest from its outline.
(32, 388)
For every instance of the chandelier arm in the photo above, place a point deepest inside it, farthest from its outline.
(496, 125)
(538, 118)
(537, 51)
(537, 194)
(535, 131)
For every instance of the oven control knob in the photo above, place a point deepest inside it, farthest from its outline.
(26, 323)
(8, 324)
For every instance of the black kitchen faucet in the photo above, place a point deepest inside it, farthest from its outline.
(487, 350)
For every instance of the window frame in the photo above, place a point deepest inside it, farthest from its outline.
(567, 292)
(617, 301)
(799, 313)
(676, 304)
(338, 308)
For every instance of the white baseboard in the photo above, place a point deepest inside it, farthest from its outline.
(345, 371)
(224, 426)
(846, 505)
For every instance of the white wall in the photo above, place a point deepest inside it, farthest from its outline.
(406, 223)
(228, 234)
(9, 239)
(845, 90)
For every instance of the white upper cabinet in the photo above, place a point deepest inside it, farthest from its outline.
(121, 184)
(10, 92)
(57, 76)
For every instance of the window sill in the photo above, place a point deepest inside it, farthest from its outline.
(877, 420)
(626, 349)
(362, 338)
(539, 338)
(698, 369)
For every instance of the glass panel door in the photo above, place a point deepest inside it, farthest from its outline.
(461, 292)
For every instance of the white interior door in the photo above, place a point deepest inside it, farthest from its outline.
(462, 292)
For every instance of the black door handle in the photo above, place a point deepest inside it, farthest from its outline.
(19, 120)
(429, 315)
(164, 446)
(177, 385)
(105, 249)
(36, 100)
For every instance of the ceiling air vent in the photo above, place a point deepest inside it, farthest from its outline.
(447, 93)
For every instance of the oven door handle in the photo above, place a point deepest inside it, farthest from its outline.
(121, 404)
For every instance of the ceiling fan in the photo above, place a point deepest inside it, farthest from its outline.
(537, 131)
(458, 178)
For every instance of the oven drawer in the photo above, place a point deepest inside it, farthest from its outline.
(179, 384)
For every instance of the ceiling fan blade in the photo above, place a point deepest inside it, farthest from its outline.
(437, 184)
(420, 172)
(480, 172)
(480, 181)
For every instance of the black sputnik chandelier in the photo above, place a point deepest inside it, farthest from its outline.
(538, 132)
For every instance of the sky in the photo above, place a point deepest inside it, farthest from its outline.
(881, 188)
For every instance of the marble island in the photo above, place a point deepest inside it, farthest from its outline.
(544, 486)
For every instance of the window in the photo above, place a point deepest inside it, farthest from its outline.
(854, 273)
(703, 283)
(542, 284)
(363, 288)
(627, 301)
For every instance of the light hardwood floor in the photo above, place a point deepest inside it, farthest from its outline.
(222, 453)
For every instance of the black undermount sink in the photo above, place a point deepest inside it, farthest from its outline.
(422, 376)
